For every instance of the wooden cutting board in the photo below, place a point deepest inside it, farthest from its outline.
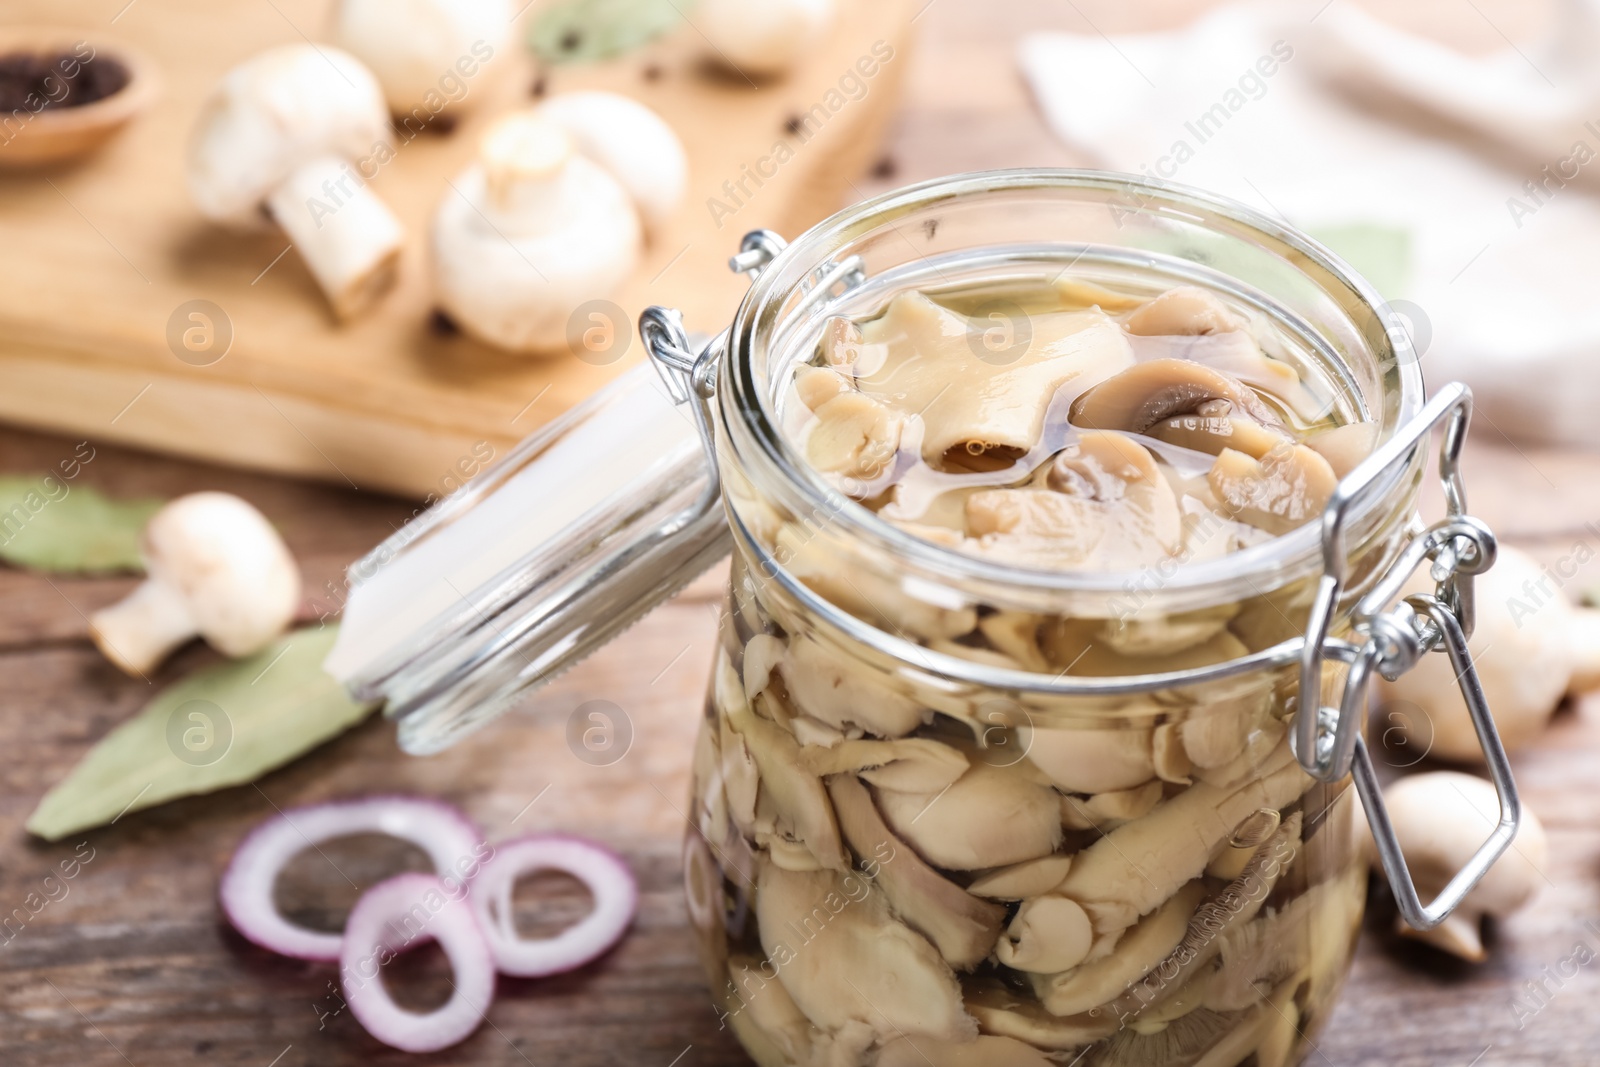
(99, 256)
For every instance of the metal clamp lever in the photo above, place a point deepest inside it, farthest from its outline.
(1328, 741)
(691, 377)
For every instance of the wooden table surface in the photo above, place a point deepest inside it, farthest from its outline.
(134, 966)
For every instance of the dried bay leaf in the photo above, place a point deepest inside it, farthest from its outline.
(224, 725)
(583, 31)
(49, 524)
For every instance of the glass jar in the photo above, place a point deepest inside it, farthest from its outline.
(952, 811)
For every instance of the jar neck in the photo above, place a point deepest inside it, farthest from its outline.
(801, 523)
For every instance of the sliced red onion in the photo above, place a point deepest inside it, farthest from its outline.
(610, 882)
(449, 838)
(406, 912)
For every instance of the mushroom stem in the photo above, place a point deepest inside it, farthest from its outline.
(1458, 935)
(1583, 634)
(138, 633)
(349, 239)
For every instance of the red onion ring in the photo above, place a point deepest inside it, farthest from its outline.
(450, 839)
(616, 898)
(403, 913)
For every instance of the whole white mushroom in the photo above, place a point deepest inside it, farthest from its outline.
(762, 37)
(1531, 647)
(529, 233)
(428, 55)
(1440, 819)
(293, 135)
(630, 141)
(217, 570)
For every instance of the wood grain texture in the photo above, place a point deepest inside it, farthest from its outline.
(101, 254)
(135, 966)
(135, 961)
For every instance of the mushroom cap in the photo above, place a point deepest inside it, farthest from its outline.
(1106, 505)
(632, 142)
(529, 234)
(1090, 761)
(1522, 652)
(1283, 489)
(1151, 392)
(898, 982)
(411, 46)
(228, 564)
(1185, 311)
(1442, 817)
(272, 113)
(762, 38)
(989, 817)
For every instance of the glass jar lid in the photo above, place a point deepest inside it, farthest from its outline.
(571, 538)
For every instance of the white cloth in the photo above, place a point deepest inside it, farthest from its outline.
(1347, 127)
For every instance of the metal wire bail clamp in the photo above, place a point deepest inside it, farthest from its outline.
(1328, 741)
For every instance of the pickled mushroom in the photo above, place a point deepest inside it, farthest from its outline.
(762, 654)
(1237, 904)
(1282, 490)
(1150, 393)
(741, 780)
(1282, 1028)
(1318, 925)
(842, 346)
(1213, 426)
(1049, 934)
(792, 799)
(1162, 635)
(986, 1051)
(1241, 358)
(989, 817)
(1107, 811)
(1184, 311)
(1344, 447)
(1137, 953)
(864, 594)
(815, 386)
(1107, 507)
(1031, 878)
(737, 776)
(949, 417)
(1016, 634)
(1172, 763)
(931, 368)
(1177, 1042)
(1001, 1011)
(1075, 645)
(765, 1005)
(840, 691)
(1136, 867)
(1213, 736)
(912, 765)
(1090, 761)
(845, 960)
(854, 436)
(1261, 741)
(961, 926)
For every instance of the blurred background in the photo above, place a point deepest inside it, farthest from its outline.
(148, 351)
